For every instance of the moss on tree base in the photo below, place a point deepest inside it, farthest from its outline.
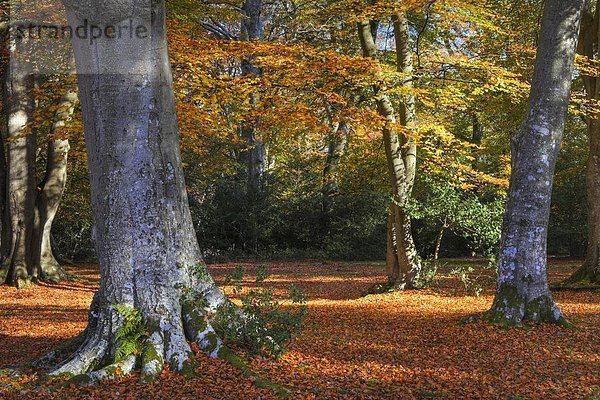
(512, 309)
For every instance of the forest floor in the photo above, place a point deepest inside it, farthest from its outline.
(409, 345)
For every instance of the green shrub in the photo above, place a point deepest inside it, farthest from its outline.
(264, 326)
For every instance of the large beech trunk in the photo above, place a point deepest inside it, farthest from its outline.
(146, 245)
(27, 215)
(522, 290)
(402, 260)
(18, 228)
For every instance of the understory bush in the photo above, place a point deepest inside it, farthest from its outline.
(264, 326)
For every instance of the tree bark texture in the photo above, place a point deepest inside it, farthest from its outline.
(149, 258)
(50, 192)
(17, 264)
(522, 289)
(402, 260)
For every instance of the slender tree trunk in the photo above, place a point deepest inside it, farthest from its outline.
(522, 290)
(438, 245)
(252, 156)
(335, 151)
(50, 192)
(149, 257)
(588, 45)
(403, 262)
(408, 113)
(477, 139)
(4, 71)
(17, 266)
(590, 270)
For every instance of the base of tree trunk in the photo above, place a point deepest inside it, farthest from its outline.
(166, 341)
(19, 278)
(389, 286)
(585, 274)
(95, 357)
(53, 272)
(512, 309)
(15, 275)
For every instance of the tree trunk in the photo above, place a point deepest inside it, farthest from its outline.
(438, 246)
(4, 71)
(522, 290)
(477, 139)
(149, 257)
(590, 270)
(408, 111)
(252, 156)
(335, 151)
(17, 266)
(403, 262)
(50, 192)
(588, 43)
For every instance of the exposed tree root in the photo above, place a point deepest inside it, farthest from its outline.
(585, 275)
(60, 352)
(21, 279)
(54, 273)
(96, 358)
(389, 286)
(574, 288)
(512, 310)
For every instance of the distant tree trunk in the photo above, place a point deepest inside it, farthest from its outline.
(252, 156)
(335, 151)
(477, 139)
(438, 245)
(50, 192)
(590, 270)
(588, 45)
(4, 70)
(17, 266)
(478, 132)
(149, 258)
(522, 290)
(402, 260)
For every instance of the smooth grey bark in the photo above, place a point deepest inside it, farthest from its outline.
(146, 245)
(408, 112)
(50, 192)
(402, 260)
(252, 22)
(17, 265)
(522, 292)
(588, 46)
